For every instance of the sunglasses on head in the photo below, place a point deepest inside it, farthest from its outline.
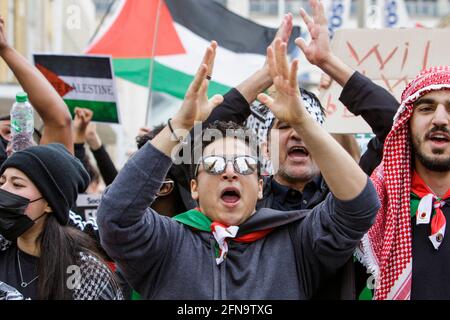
(216, 165)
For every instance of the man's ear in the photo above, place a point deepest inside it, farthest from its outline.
(194, 189)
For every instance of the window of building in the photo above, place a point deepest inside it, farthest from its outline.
(430, 8)
(422, 7)
(270, 7)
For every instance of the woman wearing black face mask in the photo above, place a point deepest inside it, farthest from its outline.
(46, 259)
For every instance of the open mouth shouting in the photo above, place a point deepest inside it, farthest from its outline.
(230, 196)
(439, 138)
(298, 153)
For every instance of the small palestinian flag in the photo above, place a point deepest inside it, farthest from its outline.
(82, 81)
(175, 33)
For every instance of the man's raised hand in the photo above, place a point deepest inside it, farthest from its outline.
(196, 106)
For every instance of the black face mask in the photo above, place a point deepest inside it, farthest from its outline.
(13, 220)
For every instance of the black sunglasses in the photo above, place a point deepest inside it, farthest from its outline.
(216, 165)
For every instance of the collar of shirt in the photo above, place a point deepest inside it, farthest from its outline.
(284, 194)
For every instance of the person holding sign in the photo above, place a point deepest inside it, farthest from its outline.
(226, 248)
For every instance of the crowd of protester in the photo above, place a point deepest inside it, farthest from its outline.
(194, 214)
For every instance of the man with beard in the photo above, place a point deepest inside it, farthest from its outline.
(297, 182)
(407, 250)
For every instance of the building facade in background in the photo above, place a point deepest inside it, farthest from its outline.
(63, 26)
(68, 26)
(428, 10)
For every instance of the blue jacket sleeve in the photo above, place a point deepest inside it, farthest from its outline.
(132, 234)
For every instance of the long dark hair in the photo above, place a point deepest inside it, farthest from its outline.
(60, 248)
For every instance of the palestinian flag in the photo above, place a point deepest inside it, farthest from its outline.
(82, 81)
(175, 33)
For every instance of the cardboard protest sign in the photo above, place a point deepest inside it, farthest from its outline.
(390, 57)
(83, 81)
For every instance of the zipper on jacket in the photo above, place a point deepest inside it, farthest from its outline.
(216, 279)
(223, 279)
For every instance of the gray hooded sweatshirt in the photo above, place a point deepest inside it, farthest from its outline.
(164, 259)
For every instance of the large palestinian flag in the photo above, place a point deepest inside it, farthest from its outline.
(175, 33)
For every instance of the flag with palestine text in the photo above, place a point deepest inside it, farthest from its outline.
(82, 81)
